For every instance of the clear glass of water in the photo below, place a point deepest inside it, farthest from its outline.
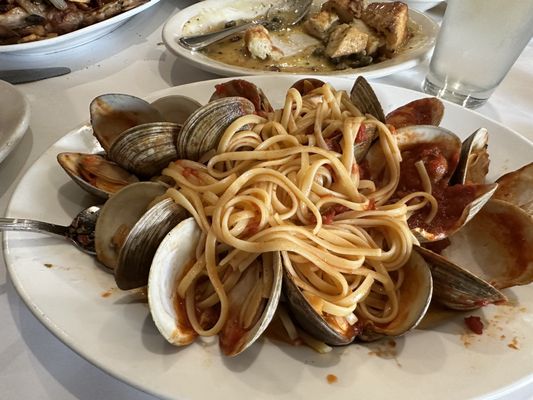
(478, 43)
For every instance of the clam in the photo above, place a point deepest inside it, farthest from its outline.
(95, 174)
(246, 89)
(204, 128)
(439, 150)
(174, 256)
(517, 188)
(415, 295)
(364, 98)
(118, 216)
(474, 161)
(495, 245)
(112, 114)
(146, 149)
(457, 206)
(141, 243)
(306, 85)
(457, 288)
(427, 111)
(176, 108)
(310, 320)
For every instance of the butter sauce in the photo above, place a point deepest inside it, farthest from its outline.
(307, 59)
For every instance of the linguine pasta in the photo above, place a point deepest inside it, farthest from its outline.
(275, 184)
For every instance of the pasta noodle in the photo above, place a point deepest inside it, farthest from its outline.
(275, 184)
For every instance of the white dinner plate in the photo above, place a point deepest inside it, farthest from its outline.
(422, 5)
(80, 304)
(201, 16)
(77, 37)
(14, 118)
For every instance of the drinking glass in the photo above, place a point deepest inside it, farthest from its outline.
(478, 43)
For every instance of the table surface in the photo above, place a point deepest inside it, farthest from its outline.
(132, 59)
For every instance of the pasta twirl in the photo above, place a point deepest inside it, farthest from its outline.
(291, 183)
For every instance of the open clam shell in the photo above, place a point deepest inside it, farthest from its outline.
(204, 128)
(414, 299)
(174, 256)
(176, 108)
(456, 287)
(449, 144)
(448, 221)
(517, 188)
(118, 216)
(365, 99)
(246, 89)
(427, 111)
(136, 255)
(439, 150)
(306, 85)
(95, 174)
(146, 149)
(112, 114)
(235, 338)
(308, 318)
(495, 245)
(474, 161)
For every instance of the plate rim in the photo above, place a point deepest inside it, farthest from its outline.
(56, 330)
(173, 27)
(23, 123)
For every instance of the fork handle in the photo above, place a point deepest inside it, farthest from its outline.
(198, 42)
(20, 224)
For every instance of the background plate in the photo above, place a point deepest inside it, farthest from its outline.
(212, 12)
(80, 304)
(14, 118)
(77, 37)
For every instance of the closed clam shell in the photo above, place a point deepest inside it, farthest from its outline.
(204, 128)
(456, 287)
(136, 255)
(118, 216)
(95, 174)
(517, 188)
(112, 114)
(146, 149)
(176, 108)
(495, 245)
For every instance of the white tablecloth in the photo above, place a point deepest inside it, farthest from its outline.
(132, 59)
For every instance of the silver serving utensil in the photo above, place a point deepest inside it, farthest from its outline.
(80, 231)
(294, 12)
(15, 76)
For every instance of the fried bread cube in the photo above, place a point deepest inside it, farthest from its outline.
(347, 10)
(345, 40)
(375, 41)
(258, 42)
(389, 19)
(320, 24)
